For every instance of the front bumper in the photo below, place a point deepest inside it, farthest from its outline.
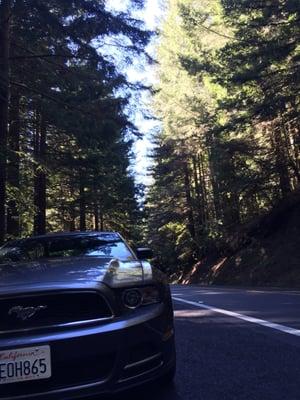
(100, 359)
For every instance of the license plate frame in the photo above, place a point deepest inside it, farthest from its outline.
(25, 364)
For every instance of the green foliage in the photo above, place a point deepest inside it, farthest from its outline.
(70, 140)
(229, 105)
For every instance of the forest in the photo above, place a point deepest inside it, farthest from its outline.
(65, 139)
(226, 162)
(226, 157)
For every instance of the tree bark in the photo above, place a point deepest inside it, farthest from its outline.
(213, 168)
(281, 162)
(82, 203)
(73, 219)
(101, 220)
(204, 193)
(96, 203)
(13, 171)
(199, 194)
(190, 212)
(96, 216)
(40, 178)
(5, 11)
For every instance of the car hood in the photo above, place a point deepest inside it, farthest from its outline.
(73, 272)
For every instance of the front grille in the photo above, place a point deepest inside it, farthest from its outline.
(52, 309)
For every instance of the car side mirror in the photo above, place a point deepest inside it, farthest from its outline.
(143, 253)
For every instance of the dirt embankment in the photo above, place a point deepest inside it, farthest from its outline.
(265, 252)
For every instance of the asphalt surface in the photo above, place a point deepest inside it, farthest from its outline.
(224, 357)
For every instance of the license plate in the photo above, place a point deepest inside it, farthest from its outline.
(24, 365)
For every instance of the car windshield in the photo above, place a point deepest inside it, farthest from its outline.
(64, 247)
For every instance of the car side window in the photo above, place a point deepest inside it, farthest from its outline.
(12, 254)
(35, 251)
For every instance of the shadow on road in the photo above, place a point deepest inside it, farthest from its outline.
(151, 392)
(147, 392)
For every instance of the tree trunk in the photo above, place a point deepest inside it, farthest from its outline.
(96, 203)
(190, 213)
(213, 168)
(281, 162)
(204, 194)
(82, 203)
(96, 216)
(72, 206)
(101, 220)
(294, 135)
(73, 219)
(13, 171)
(5, 10)
(40, 178)
(199, 194)
(296, 142)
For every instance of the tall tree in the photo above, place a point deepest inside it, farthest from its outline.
(5, 22)
(66, 119)
(229, 105)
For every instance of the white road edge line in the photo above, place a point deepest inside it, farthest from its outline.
(272, 325)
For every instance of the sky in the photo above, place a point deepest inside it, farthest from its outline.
(152, 15)
(138, 72)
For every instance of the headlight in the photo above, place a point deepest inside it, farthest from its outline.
(134, 298)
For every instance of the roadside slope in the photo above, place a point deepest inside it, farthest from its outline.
(264, 252)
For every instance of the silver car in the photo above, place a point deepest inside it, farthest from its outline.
(81, 314)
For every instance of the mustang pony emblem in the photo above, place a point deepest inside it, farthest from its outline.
(25, 313)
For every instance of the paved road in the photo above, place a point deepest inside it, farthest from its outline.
(222, 356)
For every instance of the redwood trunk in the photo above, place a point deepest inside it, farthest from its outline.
(40, 178)
(190, 213)
(101, 221)
(281, 162)
(199, 197)
(214, 176)
(96, 217)
(72, 222)
(82, 204)
(13, 218)
(5, 10)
